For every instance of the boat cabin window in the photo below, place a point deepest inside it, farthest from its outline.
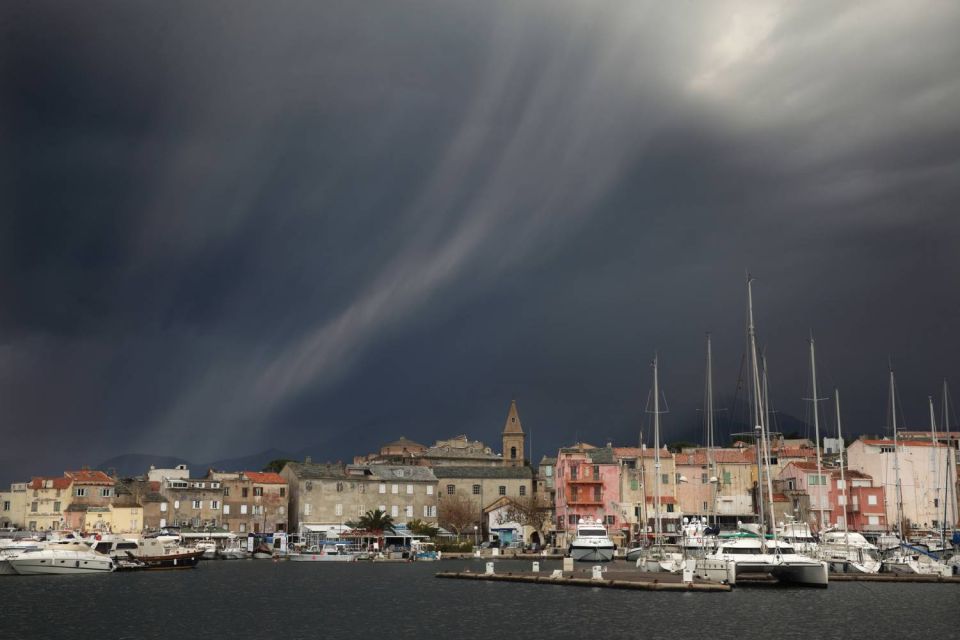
(102, 547)
(785, 549)
(126, 545)
(593, 532)
(743, 551)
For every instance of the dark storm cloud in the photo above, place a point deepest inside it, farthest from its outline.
(227, 229)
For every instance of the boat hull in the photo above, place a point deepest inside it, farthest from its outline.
(322, 557)
(6, 569)
(60, 566)
(187, 560)
(591, 554)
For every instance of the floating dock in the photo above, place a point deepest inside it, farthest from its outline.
(609, 580)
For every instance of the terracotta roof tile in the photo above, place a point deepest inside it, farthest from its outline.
(58, 482)
(88, 476)
(903, 443)
(265, 477)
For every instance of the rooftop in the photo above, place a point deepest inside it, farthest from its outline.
(483, 472)
(87, 476)
(264, 477)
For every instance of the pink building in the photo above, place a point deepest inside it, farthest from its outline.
(588, 486)
(863, 505)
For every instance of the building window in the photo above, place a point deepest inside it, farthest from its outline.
(179, 485)
(664, 478)
(573, 472)
(163, 507)
(283, 492)
(842, 501)
(409, 489)
(258, 509)
(572, 518)
(214, 504)
(257, 491)
(80, 492)
(244, 492)
(669, 508)
(383, 508)
(513, 453)
(503, 490)
(196, 504)
(841, 484)
(451, 489)
(394, 488)
(6, 505)
(383, 488)
(634, 484)
(394, 511)
(611, 519)
(226, 492)
(361, 510)
(33, 506)
(705, 506)
(243, 509)
(339, 510)
(476, 489)
(214, 485)
(677, 476)
(409, 511)
(523, 490)
(339, 487)
(596, 472)
(106, 493)
(226, 509)
(597, 494)
(726, 477)
(243, 527)
(176, 504)
(429, 489)
(56, 507)
(703, 478)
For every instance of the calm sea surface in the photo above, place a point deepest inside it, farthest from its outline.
(229, 600)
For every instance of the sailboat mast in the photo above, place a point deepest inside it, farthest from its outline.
(816, 431)
(843, 479)
(757, 404)
(708, 413)
(896, 455)
(934, 455)
(946, 474)
(656, 452)
(767, 445)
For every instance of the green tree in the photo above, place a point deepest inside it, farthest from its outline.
(422, 528)
(375, 521)
(276, 466)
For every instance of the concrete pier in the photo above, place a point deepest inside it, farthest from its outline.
(611, 580)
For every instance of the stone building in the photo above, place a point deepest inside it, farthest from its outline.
(514, 439)
(13, 506)
(47, 499)
(718, 483)
(192, 502)
(322, 496)
(253, 501)
(459, 451)
(92, 492)
(483, 486)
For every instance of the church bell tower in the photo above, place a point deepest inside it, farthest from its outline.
(513, 439)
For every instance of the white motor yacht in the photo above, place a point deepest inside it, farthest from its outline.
(64, 558)
(591, 544)
(337, 552)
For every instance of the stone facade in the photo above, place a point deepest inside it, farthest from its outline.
(483, 486)
(13, 506)
(193, 502)
(47, 500)
(253, 502)
(334, 494)
(514, 439)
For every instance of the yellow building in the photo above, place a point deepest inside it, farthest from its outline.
(46, 501)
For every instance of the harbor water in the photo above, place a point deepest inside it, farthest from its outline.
(233, 600)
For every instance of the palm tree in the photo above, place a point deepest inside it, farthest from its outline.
(376, 521)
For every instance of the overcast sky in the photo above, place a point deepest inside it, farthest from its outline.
(230, 226)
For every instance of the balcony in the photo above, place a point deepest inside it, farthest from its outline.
(586, 501)
(584, 481)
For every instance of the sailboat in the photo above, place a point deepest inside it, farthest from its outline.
(844, 550)
(906, 558)
(751, 552)
(659, 557)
